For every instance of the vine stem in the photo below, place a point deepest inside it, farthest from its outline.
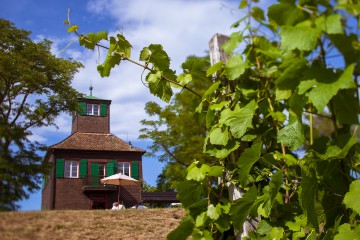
(145, 67)
(311, 126)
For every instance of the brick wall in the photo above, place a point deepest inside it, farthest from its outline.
(91, 124)
(69, 194)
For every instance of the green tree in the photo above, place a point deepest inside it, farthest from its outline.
(177, 135)
(34, 89)
(300, 61)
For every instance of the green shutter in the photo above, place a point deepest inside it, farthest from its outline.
(94, 169)
(60, 168)
(82, 108)
(83, 168)
(95, 179)
(111, 168)
(103, 109)
(135, 170)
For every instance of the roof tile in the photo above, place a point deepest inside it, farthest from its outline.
(95, 141)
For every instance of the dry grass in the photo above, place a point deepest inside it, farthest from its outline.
(90, 224)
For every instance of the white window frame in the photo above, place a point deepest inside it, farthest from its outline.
(71, 169)
(123, 166)
(92, 109)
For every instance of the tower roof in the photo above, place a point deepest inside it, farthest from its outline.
(95, 142)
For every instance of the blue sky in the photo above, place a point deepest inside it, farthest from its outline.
(183, 27)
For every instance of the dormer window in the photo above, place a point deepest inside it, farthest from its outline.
(92, 109)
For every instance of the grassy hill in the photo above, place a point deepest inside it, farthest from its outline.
(90, 224)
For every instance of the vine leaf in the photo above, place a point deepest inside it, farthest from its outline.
(213, 212)
(309, 186)
(197, 174)
(110, 61)
(216, 171)
(340, 149)
(91, 39)
(247, 159)
(145, 54)
(302, 38)
(238, 120)
(330, 24)
(324, 84)
(183, 230)
(184, 79)
(159, 87)
(234, 40)
(211, 89)
(323, 92)
(223, 151)
(118, 49)
(218, 136)
(73, 28)
(292, 134)
(235, 67)
(345, 232)
(346, 107)
(159, 57)
(351, 199)
(242, 207)
(286, 13)
(189, 192)
(201, 219)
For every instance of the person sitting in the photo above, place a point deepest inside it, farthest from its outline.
(120, 206)
(117, 206)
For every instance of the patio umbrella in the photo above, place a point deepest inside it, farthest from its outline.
(119, 179)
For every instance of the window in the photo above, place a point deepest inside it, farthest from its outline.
(102, 169)
(92, 109)
(124, 168)
(71, 169)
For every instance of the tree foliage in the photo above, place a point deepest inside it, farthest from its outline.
(297, 60)
(34, 89)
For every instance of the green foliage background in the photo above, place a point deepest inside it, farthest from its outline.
(35, 87)
(290, 66)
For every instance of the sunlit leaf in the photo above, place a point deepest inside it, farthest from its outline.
(73, 28)
(234, 40)
(219, 136)
(184, 79)
(214, 68)
(351, 199)
(346, 232)
(292, 134)
(213, 212)
(302, 38)
(145, 54)
(235, 67)
(216, 171)
(239, 120)
(198, 174)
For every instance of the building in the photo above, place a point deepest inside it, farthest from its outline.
(90, 153)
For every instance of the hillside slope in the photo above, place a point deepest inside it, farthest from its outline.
(90, 224)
